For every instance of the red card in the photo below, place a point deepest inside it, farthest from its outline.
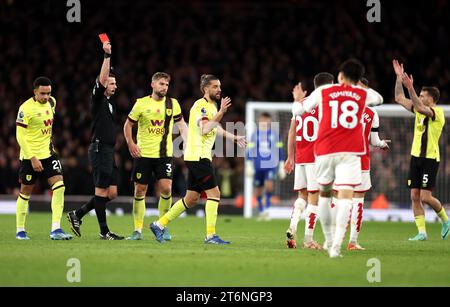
(103, 37)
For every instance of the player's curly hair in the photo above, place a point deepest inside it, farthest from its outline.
(205, 80)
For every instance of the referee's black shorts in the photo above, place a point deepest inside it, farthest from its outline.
(423, 173)
(201, 175)
(104, 166)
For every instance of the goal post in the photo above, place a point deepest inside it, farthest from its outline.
(389, 170)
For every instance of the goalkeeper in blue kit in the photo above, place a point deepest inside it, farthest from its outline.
(264, 161)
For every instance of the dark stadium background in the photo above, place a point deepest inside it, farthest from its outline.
(259, 50)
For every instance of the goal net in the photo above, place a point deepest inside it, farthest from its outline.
(389, 169)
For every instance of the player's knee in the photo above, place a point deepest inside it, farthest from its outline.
(415, 195)
(166, 191)
(58, 187)
(191, 200)
(326, 190)
(213, 193)
(26, 190)
(112, 194)
(140, 190)
(269, 186)
(425, 197)
(303, 194)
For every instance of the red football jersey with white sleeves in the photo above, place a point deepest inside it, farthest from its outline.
(341, 108)
(371, 121)
(307, 128)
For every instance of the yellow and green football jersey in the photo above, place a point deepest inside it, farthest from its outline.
(427, 132)
(200, 146)
(35, 122)
(155, 123)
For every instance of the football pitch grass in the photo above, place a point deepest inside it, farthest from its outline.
(257, 257)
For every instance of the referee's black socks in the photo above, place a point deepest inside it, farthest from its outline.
(100, 210)
(86, 208)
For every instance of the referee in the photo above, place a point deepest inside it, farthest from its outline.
(425, 155)
(101, 151)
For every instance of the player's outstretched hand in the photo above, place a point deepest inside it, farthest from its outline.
(398, 68)
(298, 92)
(107, 47)
(241, 141)
(225, 104)
(135, 151)
(289, 166)
(408, 81)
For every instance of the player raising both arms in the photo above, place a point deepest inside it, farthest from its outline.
(37, 157)
(425, 155)
(371, 128)
(339, 145)
(302, 136)
(204, 125)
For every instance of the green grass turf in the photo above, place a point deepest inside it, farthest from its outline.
(257, 257)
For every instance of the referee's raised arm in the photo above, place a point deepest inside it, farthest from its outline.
(104, 72)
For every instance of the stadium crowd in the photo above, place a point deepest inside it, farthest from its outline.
(259, 50)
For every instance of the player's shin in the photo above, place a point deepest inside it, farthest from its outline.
(324, 211)
(138, 213)
(299, 207)
(343, 208)
(57, 204)
(268, 200)
(21, 211)
(310, 222)
(164, 204)
(333, 212)
(211, 207)
(177, 209)
(356, 219)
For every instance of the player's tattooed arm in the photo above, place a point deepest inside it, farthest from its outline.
(408, 81)
(400, 97)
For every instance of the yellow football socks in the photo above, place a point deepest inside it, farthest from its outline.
(420, 223)
(21, 211)
(211, 208)
(138, 213)
(177, 209)
(57, 204)
(164, 204)
(443, 215)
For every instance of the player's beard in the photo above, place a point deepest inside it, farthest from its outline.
(161, 94)
(215, 97)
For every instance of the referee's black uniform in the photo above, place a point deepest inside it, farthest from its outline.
(101, 150)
